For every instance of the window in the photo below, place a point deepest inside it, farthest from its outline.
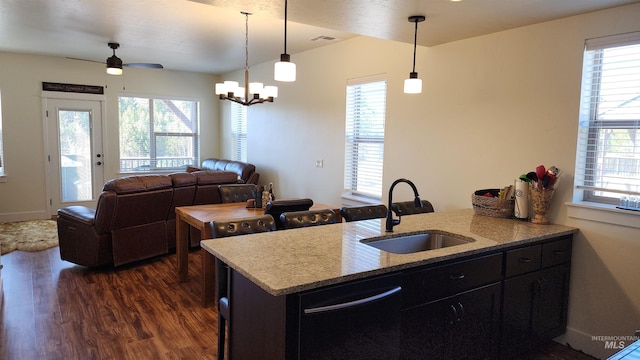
(1, 142)
(238, 132)
(608, 156)
(158, 134)
(364, 142)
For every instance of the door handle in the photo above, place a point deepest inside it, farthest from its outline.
(348, 304)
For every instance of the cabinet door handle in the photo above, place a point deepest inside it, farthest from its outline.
(558, 252)
(461, 311)
(524, 260)
(542, 285)
(454, 311)
(459, 276)
(348, 304)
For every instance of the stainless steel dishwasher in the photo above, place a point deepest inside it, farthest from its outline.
(357, 320)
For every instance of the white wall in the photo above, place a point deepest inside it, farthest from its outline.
(22, 194)
(492, 108)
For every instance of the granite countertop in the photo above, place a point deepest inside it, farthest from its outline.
(289, 261)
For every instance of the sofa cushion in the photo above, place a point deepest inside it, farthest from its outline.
(135, 184)
(182, 179)
(206, 177)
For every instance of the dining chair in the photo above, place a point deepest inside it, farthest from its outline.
(233, 193)
(363, 212)
(299, 219)
(409, 208)
(226, 228)
(276, 207)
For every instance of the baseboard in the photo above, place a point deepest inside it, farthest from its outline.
(24, 216)
(598, 346)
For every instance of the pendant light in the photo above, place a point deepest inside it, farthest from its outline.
(413, 85)
(285, 70)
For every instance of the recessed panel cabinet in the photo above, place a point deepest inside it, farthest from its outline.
(535, 299)
(452, 311)
(464, 326)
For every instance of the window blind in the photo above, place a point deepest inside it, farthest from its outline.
(608, 154)
(364, 131)
(1, 141)
(239, 132)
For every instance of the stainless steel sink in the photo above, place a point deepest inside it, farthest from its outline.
(407, 244)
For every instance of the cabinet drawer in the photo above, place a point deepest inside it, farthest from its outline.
(556, 252)
(523, 260)
(422, 286)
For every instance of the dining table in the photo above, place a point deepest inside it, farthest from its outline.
(199, 217)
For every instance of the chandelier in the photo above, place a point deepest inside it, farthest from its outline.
(251, 93)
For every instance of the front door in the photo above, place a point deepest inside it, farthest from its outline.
(75, 160)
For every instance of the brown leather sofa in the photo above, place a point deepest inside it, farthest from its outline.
(246, 172)
(135, 217)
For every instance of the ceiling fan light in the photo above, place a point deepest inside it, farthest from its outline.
(413, 85)
(284, 70)
(114, 65)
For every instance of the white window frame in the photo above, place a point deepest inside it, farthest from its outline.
(596, 180)
(2, 160)
(238, 132)
(157, 163)
(363, 174)
(594, 199)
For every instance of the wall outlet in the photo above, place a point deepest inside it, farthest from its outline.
(319, 163)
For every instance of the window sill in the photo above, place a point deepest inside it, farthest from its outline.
(603, 213)
(352, 199)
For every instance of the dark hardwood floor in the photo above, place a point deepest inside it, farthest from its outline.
(57, 310)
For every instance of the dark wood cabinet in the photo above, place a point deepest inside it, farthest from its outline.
(536, 299)
(463, 326)
(452, 311)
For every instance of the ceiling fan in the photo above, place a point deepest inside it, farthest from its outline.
(114, 63)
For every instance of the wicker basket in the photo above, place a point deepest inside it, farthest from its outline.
(491, 206)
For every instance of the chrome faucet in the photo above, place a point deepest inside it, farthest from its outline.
(391, 222)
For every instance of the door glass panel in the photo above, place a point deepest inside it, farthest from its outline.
(75, 155)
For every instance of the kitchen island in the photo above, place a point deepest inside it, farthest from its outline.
(274, 275)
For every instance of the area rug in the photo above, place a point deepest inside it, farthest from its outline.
(32, 235)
